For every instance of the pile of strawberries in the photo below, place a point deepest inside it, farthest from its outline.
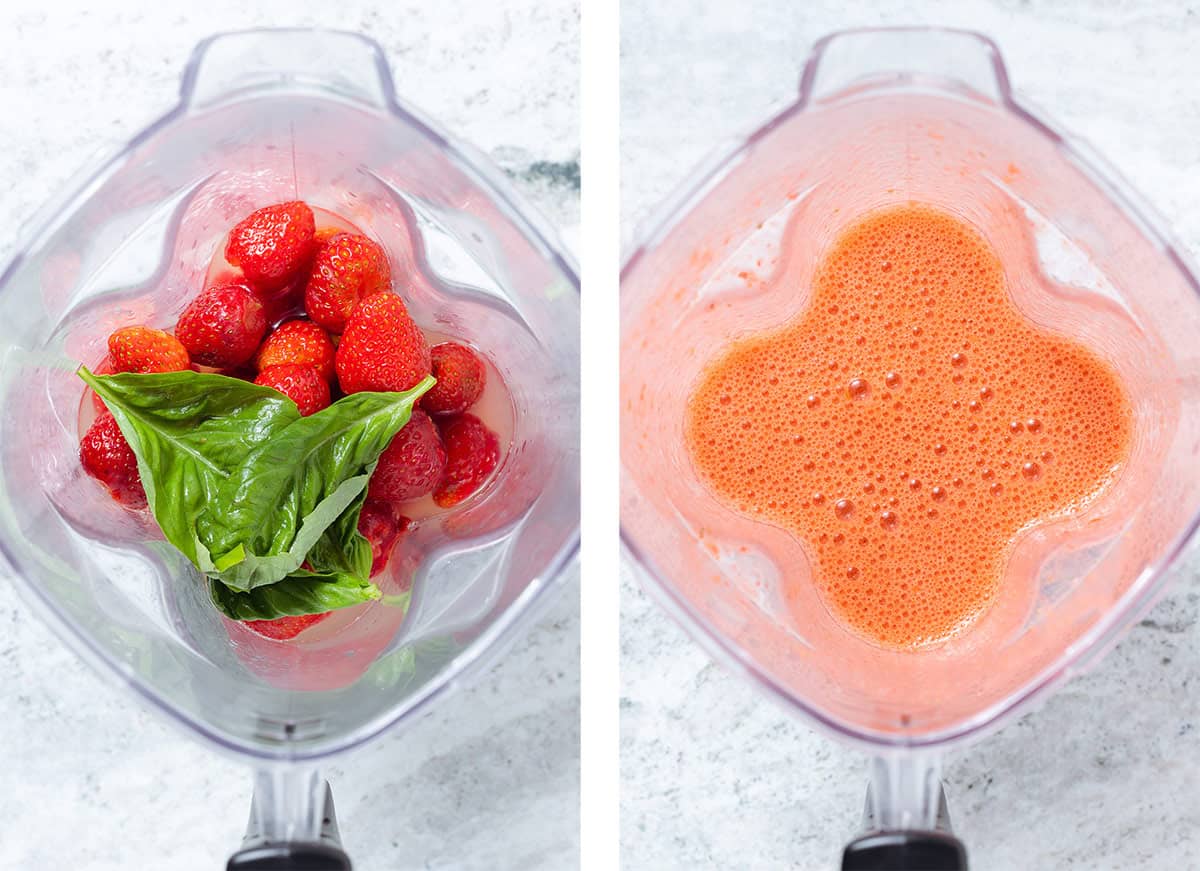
(343, 330)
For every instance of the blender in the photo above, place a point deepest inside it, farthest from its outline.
(267, 116)
(886, 117)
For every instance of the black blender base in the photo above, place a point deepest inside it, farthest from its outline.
(290, 857)
(324, 855)
(905, 851)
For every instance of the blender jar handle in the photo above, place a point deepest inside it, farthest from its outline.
(292, 825)
(849, 59)
(906, 822)
(347, 65)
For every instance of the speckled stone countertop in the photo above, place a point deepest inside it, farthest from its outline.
(91, 780)
(1104, 774)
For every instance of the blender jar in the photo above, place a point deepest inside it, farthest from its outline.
(886, 117)
(266, 116)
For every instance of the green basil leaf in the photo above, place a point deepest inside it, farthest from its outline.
(244, 569)
(342, 548)
(278, 503)
(190, 430)
(302, 592)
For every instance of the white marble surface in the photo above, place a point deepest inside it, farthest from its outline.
(90, 780)
(1104, 775)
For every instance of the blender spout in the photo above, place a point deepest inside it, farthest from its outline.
(292, 827)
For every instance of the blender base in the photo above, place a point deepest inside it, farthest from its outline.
(905, 851)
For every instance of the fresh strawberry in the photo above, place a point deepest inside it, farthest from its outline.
(299, 383)
(460, 377)
(381, 526)
(301, 342)
(347, 269)
(412, 464)
(472, 454)
(382, 349)
(141, 349)
(107, 457)
(223, 326)
(272, 245)
(284, 628)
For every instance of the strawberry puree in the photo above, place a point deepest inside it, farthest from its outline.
(908, 426)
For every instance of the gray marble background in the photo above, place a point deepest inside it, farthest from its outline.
(89, 779)
(1104, 775)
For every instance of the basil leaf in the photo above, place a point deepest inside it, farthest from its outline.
(342, 548)
(302, 592)
(278, 503)
(244, 569)
(189, 430)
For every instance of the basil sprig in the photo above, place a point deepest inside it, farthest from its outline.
(249, 491)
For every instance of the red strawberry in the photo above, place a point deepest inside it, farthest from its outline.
(223, 326)
(141, 349)
(284, 628)
(412, 464)
(381, 526)
(272, 245)
(107, 457)
(472, 454)
(382, 349)
(298, 342)
(460, 377)
(299, 383)
(347, 269)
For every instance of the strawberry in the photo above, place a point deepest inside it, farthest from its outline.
(301, 342)
(272, 245)
(460, 377)
(472, 454)
(347, 269)
(412, 464)
(299, 383)
(382, 349)
(107, 457)
(381, 526)
(223, 326)
(141, 349)
(284, 628)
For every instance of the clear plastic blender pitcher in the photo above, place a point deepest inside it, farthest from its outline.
(263, 117)
(886, 117)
